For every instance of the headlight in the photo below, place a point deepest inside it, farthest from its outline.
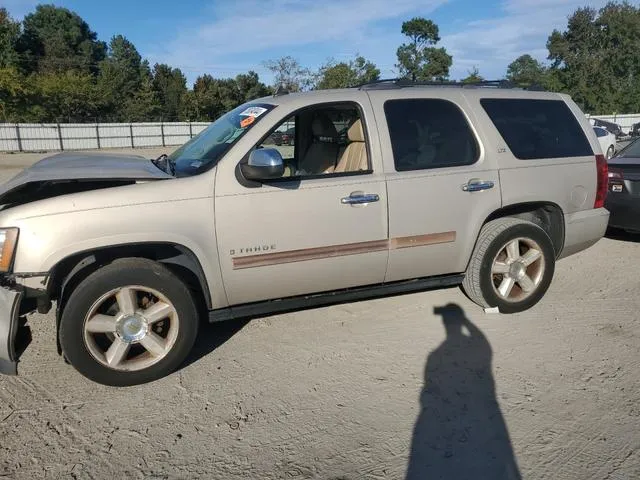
(8, 242)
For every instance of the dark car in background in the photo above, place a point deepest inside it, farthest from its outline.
(623, 199)
(612, 127)
(284, 138)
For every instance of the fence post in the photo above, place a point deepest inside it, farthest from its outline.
(131, 133)
(190, 130)
(60, 137)
(162, 132)
(18, 137)
(98, 135)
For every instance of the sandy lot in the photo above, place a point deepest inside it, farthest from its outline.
(371, 390)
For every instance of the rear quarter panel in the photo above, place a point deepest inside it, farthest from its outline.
(569, 183)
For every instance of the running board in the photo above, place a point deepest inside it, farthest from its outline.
(304, 302)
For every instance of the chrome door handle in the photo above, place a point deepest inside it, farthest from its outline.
(476, 185)
(357, 198)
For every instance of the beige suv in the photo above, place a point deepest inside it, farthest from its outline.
(390, 187)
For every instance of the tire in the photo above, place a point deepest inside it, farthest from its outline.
(145, 345)
(610, 152)
(484, 286)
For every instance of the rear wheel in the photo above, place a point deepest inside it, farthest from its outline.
(610, 152)
(512, 265)
(130, 322)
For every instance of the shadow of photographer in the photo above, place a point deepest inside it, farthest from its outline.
(460, 432)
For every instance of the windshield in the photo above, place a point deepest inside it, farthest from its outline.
(205, 149)
(632, 151)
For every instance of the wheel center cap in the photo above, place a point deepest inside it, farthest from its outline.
(132, 328)
(517, 270)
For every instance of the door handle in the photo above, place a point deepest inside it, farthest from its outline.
(358, 198)
(475, 185)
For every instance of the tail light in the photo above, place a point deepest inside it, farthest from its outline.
(603, 181)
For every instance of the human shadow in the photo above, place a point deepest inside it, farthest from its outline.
(460, 432)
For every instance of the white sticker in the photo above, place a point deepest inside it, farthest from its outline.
(253, 112)
(196, 164)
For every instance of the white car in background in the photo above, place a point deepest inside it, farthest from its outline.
(607, 141)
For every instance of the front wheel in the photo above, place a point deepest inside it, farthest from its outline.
(130, 322)
(511, 267)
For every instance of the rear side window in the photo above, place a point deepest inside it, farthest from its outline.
(601, 132)
(429, 133)
(538, 129)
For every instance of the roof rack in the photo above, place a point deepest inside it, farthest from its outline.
(392, 83)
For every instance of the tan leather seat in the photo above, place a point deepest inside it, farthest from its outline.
(323, 152)
(354, 157)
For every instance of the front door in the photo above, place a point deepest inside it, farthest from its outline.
(309, 232)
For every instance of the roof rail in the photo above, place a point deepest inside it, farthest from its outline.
(404, 82)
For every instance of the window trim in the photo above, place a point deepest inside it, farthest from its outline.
(298, 179)
(580, 128)
(437, 167)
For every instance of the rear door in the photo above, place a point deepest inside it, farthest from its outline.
(442, 183)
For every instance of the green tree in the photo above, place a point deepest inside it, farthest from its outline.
(420, 60)
(55, 39)
(14, 94)
(170, 86)
(144, 105)
(64, 97)
(597, 58)
(9, 34)
(526, 71)
(250, 86)
(289, 74)
(347, 74)
(121, 78)
(474, 76)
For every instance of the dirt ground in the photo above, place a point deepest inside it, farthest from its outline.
(371, 390)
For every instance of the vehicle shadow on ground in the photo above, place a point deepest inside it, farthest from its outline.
(212, 336)
(460, 431)
(622, 236)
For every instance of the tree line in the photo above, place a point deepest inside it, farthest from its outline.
(53, 68)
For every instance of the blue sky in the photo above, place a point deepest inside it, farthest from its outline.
(226, 37)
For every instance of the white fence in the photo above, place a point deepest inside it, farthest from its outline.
(33, 137)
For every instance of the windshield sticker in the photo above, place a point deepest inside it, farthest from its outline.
(247, 121)
(253, 112)
(196, 164)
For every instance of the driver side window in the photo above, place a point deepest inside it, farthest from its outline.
(321, 140)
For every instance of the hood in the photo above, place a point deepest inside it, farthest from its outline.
(77, 171)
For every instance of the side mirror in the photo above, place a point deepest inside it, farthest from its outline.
(263, 164)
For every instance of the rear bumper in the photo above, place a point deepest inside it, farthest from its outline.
(625, 211)
(583, 230)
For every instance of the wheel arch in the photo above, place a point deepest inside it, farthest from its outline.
(547, 215)
(67, 273)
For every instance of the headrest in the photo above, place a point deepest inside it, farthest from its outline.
(355, 133)
(323, 127)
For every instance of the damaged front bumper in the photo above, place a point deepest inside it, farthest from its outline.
(15, 335)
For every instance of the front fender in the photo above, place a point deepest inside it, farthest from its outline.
(45, 241)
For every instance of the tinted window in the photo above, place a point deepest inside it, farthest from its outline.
(538, 128)
(601, 132)
(429, 133)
